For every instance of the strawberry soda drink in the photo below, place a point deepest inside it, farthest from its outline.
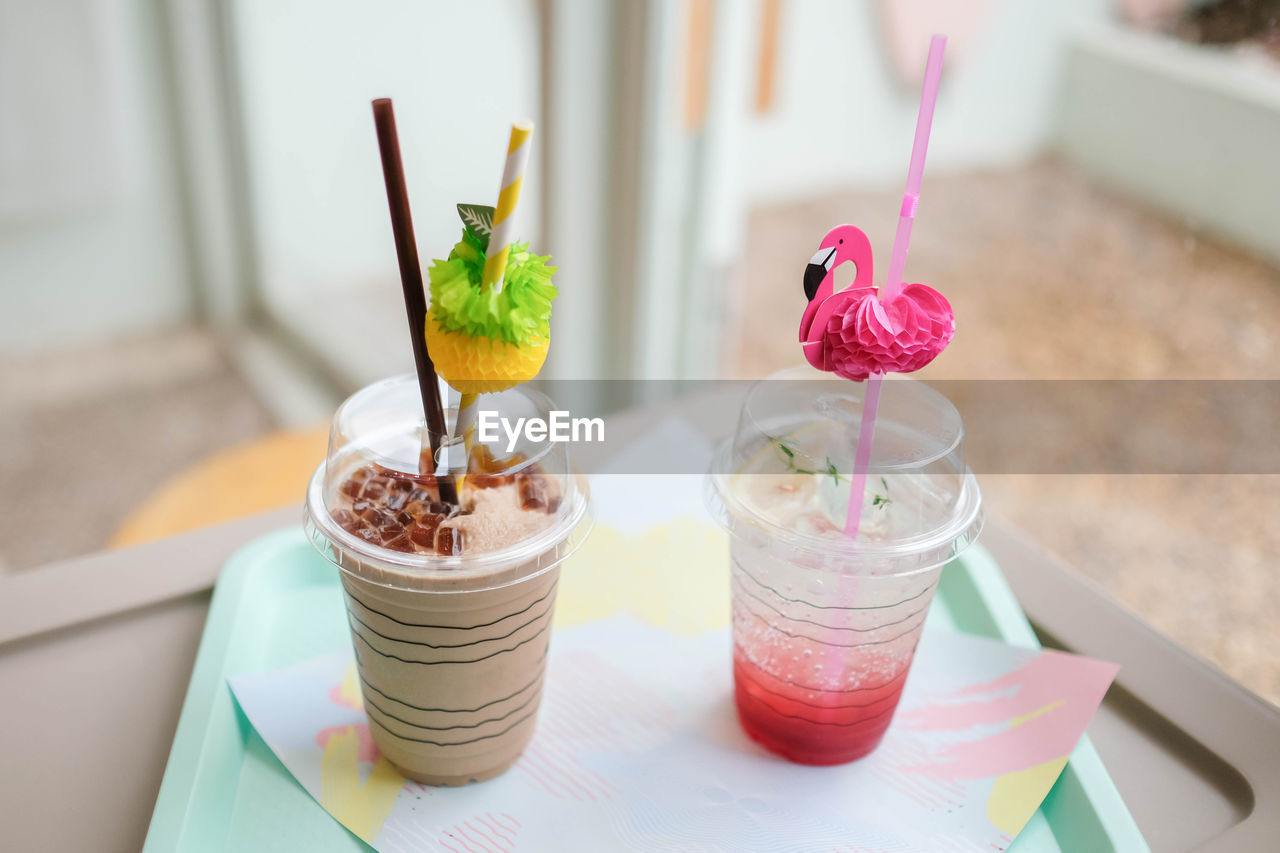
(825, 626)
(845, 499)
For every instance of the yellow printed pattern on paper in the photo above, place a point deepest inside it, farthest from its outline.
(673, 576)
(360, 808)
(1015, 796)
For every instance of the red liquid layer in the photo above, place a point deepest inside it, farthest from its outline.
(812, 726)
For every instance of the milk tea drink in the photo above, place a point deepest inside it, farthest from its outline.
(449, 605)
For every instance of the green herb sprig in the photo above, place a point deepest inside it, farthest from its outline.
(789, 458)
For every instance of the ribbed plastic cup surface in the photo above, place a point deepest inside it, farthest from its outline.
(825, 627)
(450, 649)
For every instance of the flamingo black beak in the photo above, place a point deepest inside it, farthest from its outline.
(817, 269)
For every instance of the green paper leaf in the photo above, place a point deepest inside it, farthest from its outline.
(479, 218)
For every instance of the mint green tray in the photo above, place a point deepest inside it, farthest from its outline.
(279, 603)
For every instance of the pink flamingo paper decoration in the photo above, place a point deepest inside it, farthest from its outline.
(853, 332)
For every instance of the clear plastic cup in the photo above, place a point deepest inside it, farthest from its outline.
(450, 649)
(825, 627)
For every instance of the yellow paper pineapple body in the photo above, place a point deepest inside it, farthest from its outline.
(481, 365)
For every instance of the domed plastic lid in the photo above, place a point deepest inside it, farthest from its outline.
(784, 478)
(375, 506)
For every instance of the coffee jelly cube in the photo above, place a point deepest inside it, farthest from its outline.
(423, 531)
(400, 543)
(449, 541)
(375, 488)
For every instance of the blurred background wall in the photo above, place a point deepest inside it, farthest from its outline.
(91, 228)
(848, 84)
(307, 72)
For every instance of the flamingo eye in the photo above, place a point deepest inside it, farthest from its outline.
(842, 240)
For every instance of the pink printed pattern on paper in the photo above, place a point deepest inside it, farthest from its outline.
(931, 792)
(482, 833)
(366, 751)
(339, 694)
(625, 718)
(1048, 702)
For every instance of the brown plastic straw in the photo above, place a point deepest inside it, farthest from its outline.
(415, 300)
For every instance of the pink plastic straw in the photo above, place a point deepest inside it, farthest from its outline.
(862, 457)
(897, 266)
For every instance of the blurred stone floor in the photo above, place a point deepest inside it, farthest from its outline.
(88, 433)
(1052, 277)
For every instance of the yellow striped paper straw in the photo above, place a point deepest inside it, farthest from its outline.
(495, 263)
